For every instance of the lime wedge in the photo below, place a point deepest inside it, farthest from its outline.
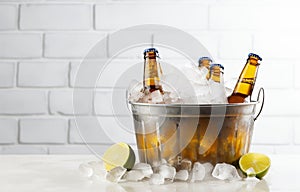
(255, 164)
(119, 154)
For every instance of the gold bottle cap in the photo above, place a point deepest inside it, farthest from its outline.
(201, 59)
(255, 55)
(151, 50)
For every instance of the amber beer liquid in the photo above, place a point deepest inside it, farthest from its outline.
(152, 71)
(245, 84)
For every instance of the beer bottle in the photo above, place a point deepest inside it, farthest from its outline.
(245, 84)
(152, 71)
(204, 62)
(216, 84)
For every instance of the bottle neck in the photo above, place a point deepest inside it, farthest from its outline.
(216, 75)
(245, 84)
(205, 63)
(152, 74)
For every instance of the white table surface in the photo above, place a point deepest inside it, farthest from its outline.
(36, 173)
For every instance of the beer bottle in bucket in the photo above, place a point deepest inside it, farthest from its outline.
(203, 64)
(245, 84)
(152, 71)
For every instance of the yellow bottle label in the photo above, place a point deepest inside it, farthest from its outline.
(246, 80)
(152, 81)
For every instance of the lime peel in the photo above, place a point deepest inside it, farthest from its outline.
(119, 154)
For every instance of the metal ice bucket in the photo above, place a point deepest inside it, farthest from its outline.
(205, 133)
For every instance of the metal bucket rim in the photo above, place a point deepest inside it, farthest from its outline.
(195, 105)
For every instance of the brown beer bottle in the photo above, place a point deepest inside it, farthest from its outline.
(245, 84)
(205, 62)
(152, 71)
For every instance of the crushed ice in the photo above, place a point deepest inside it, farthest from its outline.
(165, 172)
(196, 89)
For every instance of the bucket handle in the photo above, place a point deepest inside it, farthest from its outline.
(261, 91)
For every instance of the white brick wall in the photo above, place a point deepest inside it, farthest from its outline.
(43, 42)
(8, 17)
(61, 102)
(111, 102)
(7, 74)
(264, 131)
(14, 102)
(8, 131)
(234, 45)
(21, 45)
(72, 45)
(43, 131)
(232, 17)
(87, 130)
(271, 45)
(56, 17)
(43, 74)
(187, 16)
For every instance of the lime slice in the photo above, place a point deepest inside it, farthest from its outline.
(255, 164)
(119, 154)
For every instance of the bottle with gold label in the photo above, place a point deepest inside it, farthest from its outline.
(216, 84)
(203, 64)
(245, 84)
(152, 71)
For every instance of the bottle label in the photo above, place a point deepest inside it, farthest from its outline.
(248, 81)
(152, 81)
(245, 86)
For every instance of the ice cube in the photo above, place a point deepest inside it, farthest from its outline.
(186, 165)
(225, 171)
(85, 170)
(134, 175)
(208, 168)
(171, 97)
(250, 183)
(198, 172)
(135, 96)
(115, 174)
(156, 97)
(95, 164)
(200, 94)
(203, 71)
(229, 86)
(156, 179)
(95, 177)
(250, 171)
(155, 165)
(98, 169)
(182, 175)
(217, 92)
(167, 171)
(241, 174)
(195, 75)
(163, 161)
(145, 99)
(145, 168)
